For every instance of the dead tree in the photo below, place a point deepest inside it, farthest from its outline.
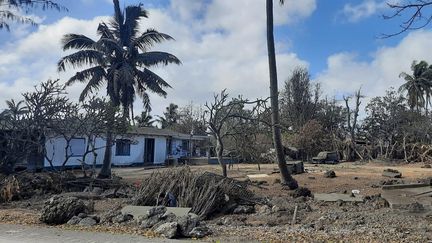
(223, 119)
(415, 10)
(351, 119)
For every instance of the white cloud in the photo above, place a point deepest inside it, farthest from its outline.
(365, 9)
(221, 44)
(345, 73)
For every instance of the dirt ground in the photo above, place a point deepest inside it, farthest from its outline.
(371, 221)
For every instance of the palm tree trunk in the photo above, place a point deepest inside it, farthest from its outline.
(286, 178)
(106, 166)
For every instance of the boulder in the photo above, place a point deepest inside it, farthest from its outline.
(149, 222)
(301, 192)
(392, 173)
(109, 216)
(159, 210)
(244, 209)
(74, 220)
(168, 230)
(200, 232)
(89, 221)
(59, 210)
(187, 223)
(329, 174)
(121, 218)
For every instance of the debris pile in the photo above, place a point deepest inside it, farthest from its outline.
(25, 185)
(206, 193)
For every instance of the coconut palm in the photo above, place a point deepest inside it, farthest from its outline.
(119, 60)
(145, 119)
(15, 109)
(418, 85)
(287, 179)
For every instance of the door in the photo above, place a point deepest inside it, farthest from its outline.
(149, 150)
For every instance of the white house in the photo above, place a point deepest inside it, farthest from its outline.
(142, 146)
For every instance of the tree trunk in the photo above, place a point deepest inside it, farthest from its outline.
(105, 172)
(286, 178)
(219, 153)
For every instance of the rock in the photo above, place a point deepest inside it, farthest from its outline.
(392, 173)
(277, 181)
(87, 222)
(187, 223)
(329, 174)
(109, 216)
(427, 166)
(200, 232)
(121, 218)
(150, 222)
(59, 210)
(168, 230)
(263, 210)
(168, 216)
(244, 209)
(82, 215)
(415, 208)
(301, 192)
(356, 178)
(159, 210)
(74, 220)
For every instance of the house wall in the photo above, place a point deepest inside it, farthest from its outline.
(56, 150)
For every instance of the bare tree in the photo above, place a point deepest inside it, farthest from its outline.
(418, 17)
(351, 119)
(223, 119)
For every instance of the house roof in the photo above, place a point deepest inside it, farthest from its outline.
(164, 132)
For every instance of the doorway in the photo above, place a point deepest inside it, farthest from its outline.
(149, 150)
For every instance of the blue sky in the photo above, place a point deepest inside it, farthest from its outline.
(222, 45)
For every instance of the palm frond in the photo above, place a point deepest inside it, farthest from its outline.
(94, 84)
(149, 38)
(156, 57)
(80, 58)
(133, 16)
(76, 41)
(86, 74)
(152, 81)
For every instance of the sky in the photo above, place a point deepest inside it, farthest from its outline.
(222, 45)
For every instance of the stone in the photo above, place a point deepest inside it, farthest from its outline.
(74, 220)
(59, 210)
(82, 215)
(168, 230)
(121, 218)
(108, 217)
(187, 223)
(244, 209)
(149, 222)
(301, 192)
(158, 210)
(427, 166)
(143, 211)
(330, 174)
(263, 210)
(200, 232)
(87, 222)
(392, 173)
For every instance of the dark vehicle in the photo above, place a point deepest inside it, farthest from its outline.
(326, 157)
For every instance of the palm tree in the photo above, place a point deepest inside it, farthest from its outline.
(120, 59)
(15, 109)
(418, 85)
(287, 179)
(145, 119)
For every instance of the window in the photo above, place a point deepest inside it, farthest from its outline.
(77, 147)
(123, 147)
